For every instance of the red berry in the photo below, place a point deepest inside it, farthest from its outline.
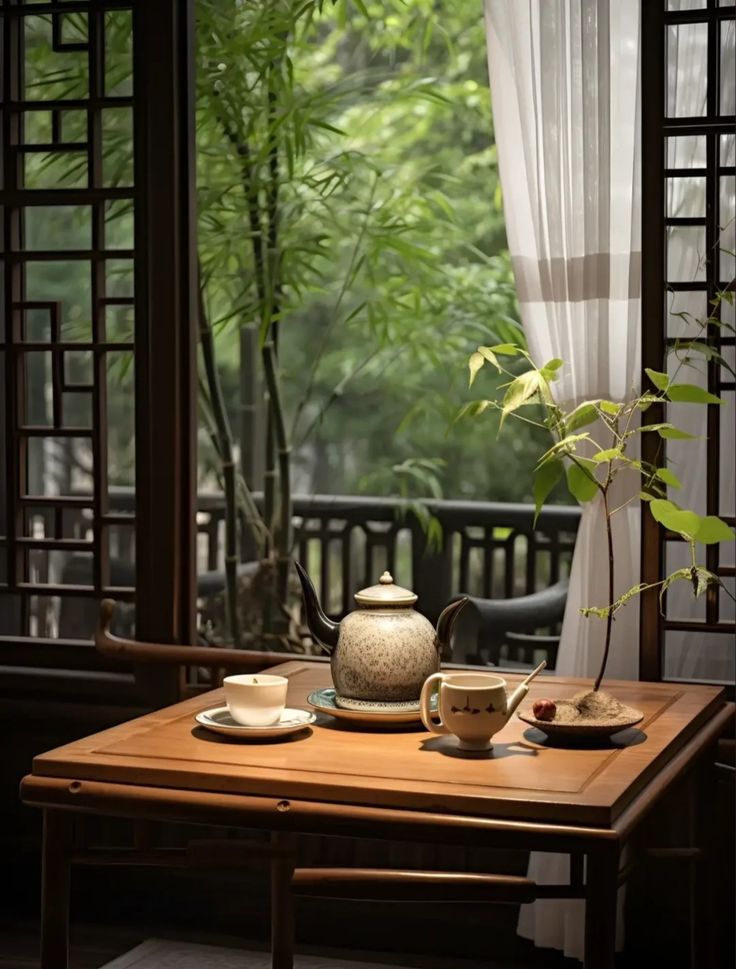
(544, 709)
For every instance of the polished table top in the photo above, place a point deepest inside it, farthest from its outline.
(349, 763)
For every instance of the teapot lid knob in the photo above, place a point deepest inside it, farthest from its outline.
(385, 593)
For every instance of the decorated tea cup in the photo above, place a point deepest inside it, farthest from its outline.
(472, 706)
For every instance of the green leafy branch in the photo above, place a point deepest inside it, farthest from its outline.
(589, 460)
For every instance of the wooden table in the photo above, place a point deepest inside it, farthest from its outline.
(350, 780)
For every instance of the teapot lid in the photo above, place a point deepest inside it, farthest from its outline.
(385, 593)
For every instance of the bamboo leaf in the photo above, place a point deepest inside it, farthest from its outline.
(565, 446)
(475, 363)
(519, 391)
(609, 454)
(581, 484)
(712, 530)
(550, 370)
(472, 409)
(646, 400)
(660, 380)
(697, 346)
(691, 394)
(488, 354)
(685, 523)
(674, 433)
(583, 415)
(667, 430)
(545, 478)
(664, 474)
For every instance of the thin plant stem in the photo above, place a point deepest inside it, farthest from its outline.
(609, 617)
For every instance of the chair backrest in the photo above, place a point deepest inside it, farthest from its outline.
(525, 625)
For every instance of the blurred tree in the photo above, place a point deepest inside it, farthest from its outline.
(352, 249)
(391, 250)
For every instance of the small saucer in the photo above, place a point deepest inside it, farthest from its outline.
(365, 711)
(219, 720)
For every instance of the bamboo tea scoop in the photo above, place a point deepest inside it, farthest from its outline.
(534, 673)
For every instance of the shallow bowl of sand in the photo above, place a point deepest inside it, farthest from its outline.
(586, 715)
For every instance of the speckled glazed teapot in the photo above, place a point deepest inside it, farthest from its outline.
(384, 650)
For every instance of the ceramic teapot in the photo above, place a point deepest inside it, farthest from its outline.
(384, 650)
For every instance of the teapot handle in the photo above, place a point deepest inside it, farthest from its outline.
(434, 726)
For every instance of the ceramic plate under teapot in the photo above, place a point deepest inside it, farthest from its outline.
(366, 711)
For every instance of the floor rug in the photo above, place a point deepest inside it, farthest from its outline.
(163, 954)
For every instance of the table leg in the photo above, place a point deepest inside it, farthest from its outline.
(704, 874)
(600, 907)
(57, 833)
(282, 904)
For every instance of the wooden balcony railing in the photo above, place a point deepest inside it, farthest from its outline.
(488, 549)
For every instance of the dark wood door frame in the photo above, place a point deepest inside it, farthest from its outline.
(166, 331)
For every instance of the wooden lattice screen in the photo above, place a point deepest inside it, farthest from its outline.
(96, 338)
(688, 125)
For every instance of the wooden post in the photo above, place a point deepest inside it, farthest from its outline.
(166, 332)
(282, 903)
(600, 907)
(703, 797)
(57, 836)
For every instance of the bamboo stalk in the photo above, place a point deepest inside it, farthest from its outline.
(280, 437)
(264, 235)
(224, 436)
(269, 475)
(278, 446)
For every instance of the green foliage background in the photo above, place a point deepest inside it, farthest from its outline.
(392, 239)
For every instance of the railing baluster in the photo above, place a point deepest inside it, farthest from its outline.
(509, 565)
(324, 563)
(327, 521)
(531, 562)
(347, 532)
(487, 562)
(464, 560)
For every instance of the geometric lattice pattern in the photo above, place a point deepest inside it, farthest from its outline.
(68, 314)
(700, 214)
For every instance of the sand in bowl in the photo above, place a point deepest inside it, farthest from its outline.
(591, 708)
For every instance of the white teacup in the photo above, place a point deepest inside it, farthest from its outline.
(255, 699)
(472, 706)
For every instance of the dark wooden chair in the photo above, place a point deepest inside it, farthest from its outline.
(510, 632)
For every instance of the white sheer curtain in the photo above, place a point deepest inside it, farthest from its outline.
(565, 86)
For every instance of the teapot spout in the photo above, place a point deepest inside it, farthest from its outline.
(324, 630)
(446, 623)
